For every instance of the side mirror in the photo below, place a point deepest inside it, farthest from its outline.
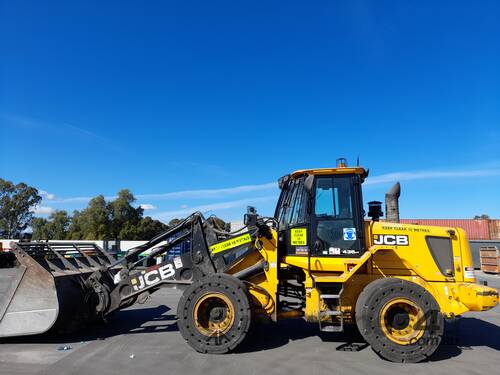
(308, 184)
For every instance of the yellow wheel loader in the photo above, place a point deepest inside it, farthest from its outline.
(317, 259)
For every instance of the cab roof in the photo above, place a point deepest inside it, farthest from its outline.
(341, 170)
(323, 171)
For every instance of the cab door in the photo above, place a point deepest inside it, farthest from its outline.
(292, 214)
(337, 217)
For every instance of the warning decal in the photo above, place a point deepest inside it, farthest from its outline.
(229, 244)
(298, 236)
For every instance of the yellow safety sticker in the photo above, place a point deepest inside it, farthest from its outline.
(229, 244)
(298, 236)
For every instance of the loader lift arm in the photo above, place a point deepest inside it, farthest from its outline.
(125, 279)
(80, 282)
(117, 287)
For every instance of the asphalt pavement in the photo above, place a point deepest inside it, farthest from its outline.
(145, 339)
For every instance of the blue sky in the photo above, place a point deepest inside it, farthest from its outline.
(203, 105)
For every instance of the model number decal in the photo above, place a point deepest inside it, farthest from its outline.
(390, 239)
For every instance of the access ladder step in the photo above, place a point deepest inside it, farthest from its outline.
(335, 324)
(330, 313)
(332, 329)
(329, 296)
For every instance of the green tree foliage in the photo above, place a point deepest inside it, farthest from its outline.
(117, 219)
(148, 228)
(124, 218)
(17, 203)
(61, 222)
(55, 228)
(93, 223)
(40, 227)
(483, 216)
(173, 222)
(75, 229)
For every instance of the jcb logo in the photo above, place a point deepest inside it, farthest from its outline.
(154, 275)
(390, 239)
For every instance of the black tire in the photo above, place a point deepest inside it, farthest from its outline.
(383, 321)
(220, 300)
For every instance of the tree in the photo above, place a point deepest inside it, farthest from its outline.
(93, 223)
(174, 222)
(75, 229)
(17, 203)
(117, 219)
(55, 228)
(123, 216)
(40, 227)
(483, 217)
(217, 222)
(59, 224)
(148, 228)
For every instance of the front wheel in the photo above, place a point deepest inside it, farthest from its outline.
(399, 319)
(214, 314)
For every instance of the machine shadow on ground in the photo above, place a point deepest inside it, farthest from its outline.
(265, 336)
(131, 321)
(462, 334)
(466, 334)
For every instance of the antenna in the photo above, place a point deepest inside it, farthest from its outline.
(357, 162)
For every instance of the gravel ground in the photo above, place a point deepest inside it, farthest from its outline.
(144, 338)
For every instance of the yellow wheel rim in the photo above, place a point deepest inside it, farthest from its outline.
(213, 314)
(402, 321)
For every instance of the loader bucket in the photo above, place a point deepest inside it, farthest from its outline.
(44, 287)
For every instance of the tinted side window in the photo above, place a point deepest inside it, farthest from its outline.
(293, 201)
(299, 206)
(442, 252)
(284, 202)
(333, 199)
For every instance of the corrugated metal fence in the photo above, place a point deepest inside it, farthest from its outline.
(480, 229)
(494, 229)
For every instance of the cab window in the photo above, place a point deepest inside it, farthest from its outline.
(334, 220)
(333, 199)
(293, 205)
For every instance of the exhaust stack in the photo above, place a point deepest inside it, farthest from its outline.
(392, 203)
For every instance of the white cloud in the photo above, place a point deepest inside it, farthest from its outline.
(25, 122)
(223, 192)
(210, 193)
(147, 206)
(187, 194)
(46, 195)
(43, 210)
(77, 199)
(184, 206)
(427, 175)
(206, 208)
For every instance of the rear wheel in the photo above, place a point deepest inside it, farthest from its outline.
(214, 314)
(399, 319)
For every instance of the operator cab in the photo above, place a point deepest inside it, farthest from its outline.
(320, 212)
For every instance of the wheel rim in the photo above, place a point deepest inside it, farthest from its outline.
(402, 321)
(213, 314)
